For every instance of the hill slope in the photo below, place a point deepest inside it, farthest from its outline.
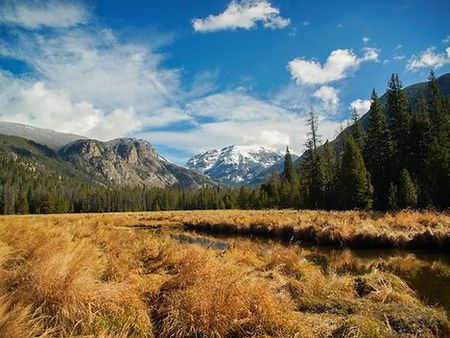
(412, 92)
(47, 137)
(125, 161)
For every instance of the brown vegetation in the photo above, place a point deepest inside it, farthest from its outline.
(403, 230)
(98, 275)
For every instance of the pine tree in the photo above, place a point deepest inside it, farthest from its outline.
(313, 178)
(22, 206)
(9, 198)
(356, 187)
(243, 198)
(289, 192)
(289, 173)
(420, 141)
(439, 163)
(399, 119)
(378, 153)
(331, 169)
(313, 135)
(358, 133)
(273, 190)
(407, 192)
(313, 169)
(48, 203)
(393, 197)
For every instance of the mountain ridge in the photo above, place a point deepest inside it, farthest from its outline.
(234, 165)
(122, 161)
(47, 137)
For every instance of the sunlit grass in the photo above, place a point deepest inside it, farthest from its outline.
(98, 275)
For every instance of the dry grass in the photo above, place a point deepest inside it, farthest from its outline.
(91, 275)
(406, 229)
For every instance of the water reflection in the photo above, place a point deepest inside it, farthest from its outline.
(427, 274)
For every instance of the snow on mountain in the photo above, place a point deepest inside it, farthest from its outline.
(234, 165)
(204, 161)
(47, 137)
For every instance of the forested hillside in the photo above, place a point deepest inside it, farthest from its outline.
(400, 160)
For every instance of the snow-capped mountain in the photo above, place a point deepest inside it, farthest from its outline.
(50, 138)
(234, 165)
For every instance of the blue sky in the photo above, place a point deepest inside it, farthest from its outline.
(194, 75)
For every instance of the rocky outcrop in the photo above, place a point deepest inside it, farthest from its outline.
(129, 161)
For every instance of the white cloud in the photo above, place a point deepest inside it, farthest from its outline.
(242, 14)
(294, 97)
(429, 59)
(446, 39)
(92, 67)
(43, 13)
(234, 106)
(238, 118)
(273, 134)
(365, 40)
(338, 65)
(167, 116)
(329, 97)
(34, 103)
(87, 80)
(361, 106)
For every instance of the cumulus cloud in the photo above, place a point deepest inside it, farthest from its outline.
(33, 14)
(429, 59)
(86, 80)
(235, 117)
(361, 106)
(339, 64)
(243, 14)
(329, 97)
(34, 103)
(94, 65)
(114, 87)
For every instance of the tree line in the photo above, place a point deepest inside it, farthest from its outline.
(400, 160)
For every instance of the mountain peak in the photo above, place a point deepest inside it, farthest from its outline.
(235, 164)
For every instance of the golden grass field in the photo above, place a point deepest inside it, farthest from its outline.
(407, 229)
(100, 275)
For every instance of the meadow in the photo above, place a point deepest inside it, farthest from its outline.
(130, 275)
(354, 229)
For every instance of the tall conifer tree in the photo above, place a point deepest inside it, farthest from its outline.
(378, 153)
(356, 188)
(399, 119)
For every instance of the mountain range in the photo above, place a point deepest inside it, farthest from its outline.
(124, 161)
(134, 162)
(234, 165)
